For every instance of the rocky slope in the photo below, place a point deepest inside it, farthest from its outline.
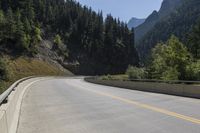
(167, 7)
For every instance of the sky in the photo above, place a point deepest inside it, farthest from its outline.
(124, 9)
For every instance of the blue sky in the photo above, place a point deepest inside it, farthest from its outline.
(124, 9)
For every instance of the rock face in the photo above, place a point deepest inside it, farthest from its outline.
(167, 7)
(134, 22)
(47, 54)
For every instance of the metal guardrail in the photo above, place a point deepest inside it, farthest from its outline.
(167, 81)
(154, 80)
(6, 93)
(178, 88)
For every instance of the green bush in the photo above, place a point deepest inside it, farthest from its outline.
(193, 71)
(169, 60)
(170, 74)
(57, 40)
(136, 73)
(106, 77)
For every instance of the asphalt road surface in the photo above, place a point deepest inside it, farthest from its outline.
(75, 106)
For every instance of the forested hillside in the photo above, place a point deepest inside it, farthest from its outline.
(180, 23)
(98, 46)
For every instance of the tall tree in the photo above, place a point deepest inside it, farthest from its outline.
(169, 61)
(194, 41)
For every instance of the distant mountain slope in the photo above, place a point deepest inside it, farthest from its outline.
(178, 23)
(167, 7)
(134, 22)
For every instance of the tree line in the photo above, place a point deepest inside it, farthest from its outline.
(100, 46)
(172, 60)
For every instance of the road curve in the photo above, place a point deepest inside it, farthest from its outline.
(71, 105)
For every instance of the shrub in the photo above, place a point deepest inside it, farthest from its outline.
(57, 40)
(106, 77)
(193, 71)
(170, 74)
(135, 73)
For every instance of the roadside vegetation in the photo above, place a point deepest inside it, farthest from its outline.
(169, 61)
(14, 69)
(136, 73)
(114, 77)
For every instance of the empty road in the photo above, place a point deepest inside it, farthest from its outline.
(71, 105)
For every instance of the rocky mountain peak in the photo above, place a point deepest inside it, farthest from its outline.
(134, 22)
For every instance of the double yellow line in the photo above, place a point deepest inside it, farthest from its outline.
(146, 106)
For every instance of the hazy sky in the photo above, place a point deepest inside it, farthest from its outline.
(124, 9)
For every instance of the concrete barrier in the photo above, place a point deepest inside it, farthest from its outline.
(9, 112)
(3, 122)
(185, 90)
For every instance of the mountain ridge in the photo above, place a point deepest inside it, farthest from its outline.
(167, 7)
(178, 23)
(135, 22)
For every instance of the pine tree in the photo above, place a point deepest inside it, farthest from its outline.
(11, 24)
(21, 38)
(194, 41)
(99, 47)
(4, 73)
(2, 25)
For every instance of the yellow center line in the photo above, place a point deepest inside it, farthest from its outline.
(146, 106)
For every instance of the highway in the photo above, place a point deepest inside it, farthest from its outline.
(71, 105)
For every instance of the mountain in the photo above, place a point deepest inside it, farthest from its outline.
(167, 7)
(134, 22)
(178, 23)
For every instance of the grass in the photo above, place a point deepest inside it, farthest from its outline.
(24, 67)
(115, 77)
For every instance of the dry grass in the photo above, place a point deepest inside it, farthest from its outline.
(23, 67)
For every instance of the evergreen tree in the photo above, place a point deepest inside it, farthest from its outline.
(4, 73)
(99, 46)
(2, 25)
(21, 38)
(194, 41)
(11, 25)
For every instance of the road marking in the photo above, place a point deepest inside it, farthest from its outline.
(146, 106)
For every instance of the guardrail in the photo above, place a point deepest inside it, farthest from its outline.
(152, 80)
(6, 93)
(9, 112)
(178, 88)
(167, 81)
